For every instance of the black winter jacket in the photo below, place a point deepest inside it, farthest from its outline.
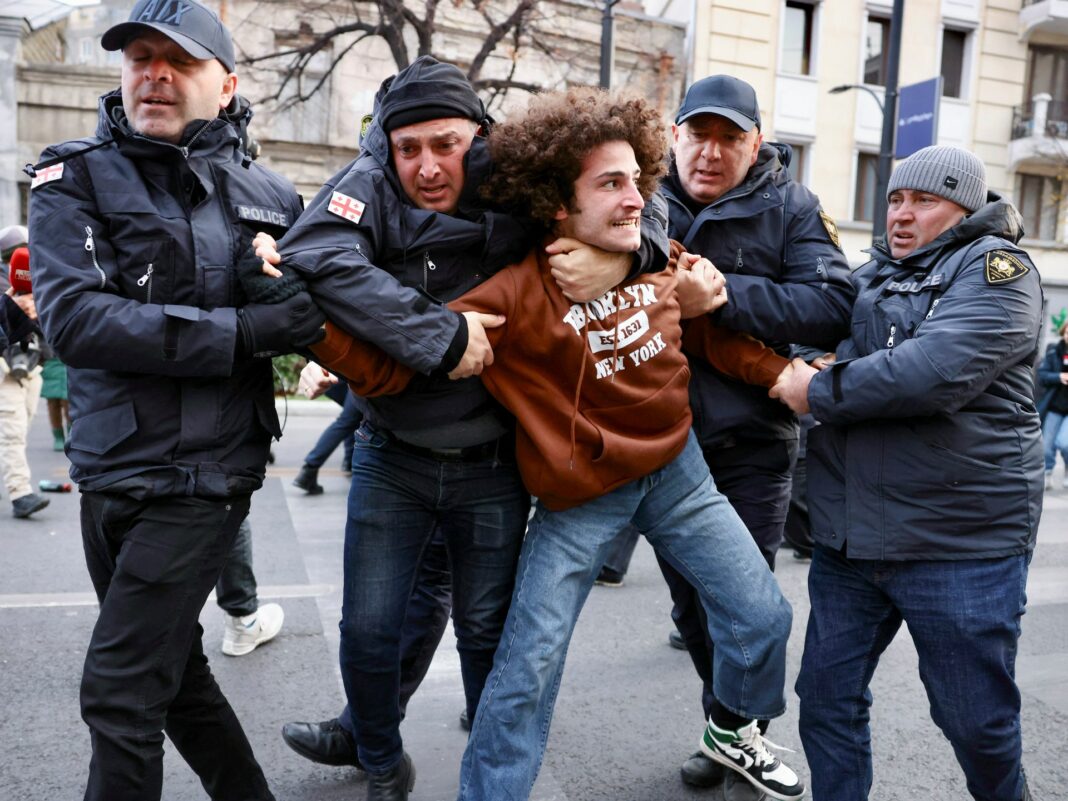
(930, 446)
(787, 280)
(133, 247)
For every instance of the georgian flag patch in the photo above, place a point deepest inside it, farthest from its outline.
(53, 173)
(346, 207)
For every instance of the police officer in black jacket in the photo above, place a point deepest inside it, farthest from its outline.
(925, 480)
(732, 200)
(136, 233)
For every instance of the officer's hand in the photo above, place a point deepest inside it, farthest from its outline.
(824, 361)
(479, 354)
(269, 329)
(702, 288)
(315, 380)
(791, 387)
(267, 249)
(584, 272)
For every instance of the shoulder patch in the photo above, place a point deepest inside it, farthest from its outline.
(832, 228)
(53, 173)
(1003, 267)
(348, 208)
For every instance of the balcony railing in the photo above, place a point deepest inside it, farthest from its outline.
(1041, 117)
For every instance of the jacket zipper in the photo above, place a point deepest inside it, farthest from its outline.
(186, 147)
(147, 279)
(91, 247)
(890, 341)
(427, 266)
(931, 310)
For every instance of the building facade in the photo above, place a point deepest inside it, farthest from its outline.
(60, 70)
(1004, 69)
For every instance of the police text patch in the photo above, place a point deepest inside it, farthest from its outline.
(262, 214)
(1002, 267)
(346, 207)
(53, 173)
(832, 229)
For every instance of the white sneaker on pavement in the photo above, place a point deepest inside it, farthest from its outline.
(1049, 479)
(746, 752)
(241, 635)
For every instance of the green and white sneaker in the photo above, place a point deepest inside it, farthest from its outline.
(746, 752)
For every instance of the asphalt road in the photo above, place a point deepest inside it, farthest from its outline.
(628, 711)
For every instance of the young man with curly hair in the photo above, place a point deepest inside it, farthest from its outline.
(599, 391)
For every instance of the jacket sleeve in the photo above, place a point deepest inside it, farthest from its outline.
(337, 255)
(85, 317)
(1049, 374)
(976, 331)
(653, 252)
(370, 371)
(733, 353)
(812, 301)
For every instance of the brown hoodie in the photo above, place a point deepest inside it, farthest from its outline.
(599, 389)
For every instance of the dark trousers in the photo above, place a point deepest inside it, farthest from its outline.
(235, 591)
(424, 624)
(153, 563)
(755, 477)
(621, 550)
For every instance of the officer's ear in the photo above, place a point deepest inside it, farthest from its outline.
(228, 90)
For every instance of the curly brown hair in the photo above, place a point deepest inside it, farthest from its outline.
(538, 156)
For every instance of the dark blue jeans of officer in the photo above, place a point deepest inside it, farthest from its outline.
(424, 625)
(755, 475)
(153, 563)
(337, 433)
(235, 591)
(964, 619)
(399, 496)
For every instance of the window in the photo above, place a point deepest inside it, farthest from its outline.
(797, 38)
(876, 45)
(953, 43)
(796, 167)
(864, 199)
(1039, 199)
(1048, 72)
(307, 121)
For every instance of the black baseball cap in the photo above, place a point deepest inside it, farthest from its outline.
(723, 95)
(193, 27)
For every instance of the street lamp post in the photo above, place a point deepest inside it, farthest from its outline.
(889, 112)
(607, 24)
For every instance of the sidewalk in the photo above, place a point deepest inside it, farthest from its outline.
(628, 712)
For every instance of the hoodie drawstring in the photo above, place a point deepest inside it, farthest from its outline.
(578, 386)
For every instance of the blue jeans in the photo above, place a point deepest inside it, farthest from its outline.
(396, 501)
(964, 619)
(338, 432)
(689, 523)
(1054, 438)
(424, 625)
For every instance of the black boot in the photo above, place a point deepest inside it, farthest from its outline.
(308, 480)
(393, 785)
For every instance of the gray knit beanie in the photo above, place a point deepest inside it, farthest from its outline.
(949, 172)
(14, 236)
